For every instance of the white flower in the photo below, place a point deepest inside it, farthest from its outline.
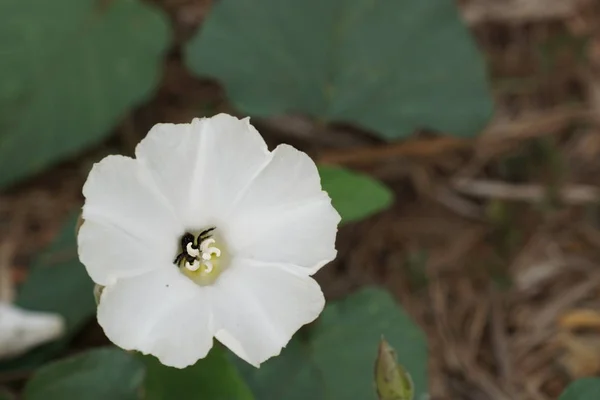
(21, 330)
(206, 234)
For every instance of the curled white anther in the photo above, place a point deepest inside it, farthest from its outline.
(207, 251)
(194, 266)
(208, 266)
(215, 251)
(205, 243)
(192, 251)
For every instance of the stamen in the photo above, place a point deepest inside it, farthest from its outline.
(195, 266)
(201, 263)
(209, 267)
(207, 252)
(191, 250)
(204, 245)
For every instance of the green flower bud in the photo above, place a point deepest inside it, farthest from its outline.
(392, 381)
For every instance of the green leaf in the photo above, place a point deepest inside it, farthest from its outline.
(388, 66)
(211, 378)
(582, 389)
(69, 71)
(293, 375)
(355, 196)
(100, 374)
(336, 362)
(57, 282)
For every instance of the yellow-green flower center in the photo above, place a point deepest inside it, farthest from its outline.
(202, 257)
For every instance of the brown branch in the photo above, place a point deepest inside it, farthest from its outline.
(497, 135)
(409, 148)
(482, 11)
(571, 194)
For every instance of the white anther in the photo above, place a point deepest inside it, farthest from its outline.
(192, 251)
(194, 266)
(207, 252)
(209, 266)
(205, 243)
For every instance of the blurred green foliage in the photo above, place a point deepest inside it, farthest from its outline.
(70, 70)
(388, 66)
(212, 378)
(111, 373)
(98, 374)
(582, 389)
(355, 196)
(335, 359)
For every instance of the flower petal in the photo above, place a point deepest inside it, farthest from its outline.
(22, 330)
(120, 192)
(204, 165)
(109, 254)
(162, 313)
(258, 308)
(284, 216)
(128, 226)
(171, 152)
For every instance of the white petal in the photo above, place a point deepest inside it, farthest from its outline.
(162, 313)
(128, 226)
(285, 217)
(21, 330)
(109, 254)
(259, 308)
(119, 191)
(204, 165)
(172, 154)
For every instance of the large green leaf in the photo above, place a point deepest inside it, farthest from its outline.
(212, 378)
(354, 196)
(583, 389)
(337, 361)
(69, 71)
(100, 374)
(388, 66)
(293, 375)
(57, 282)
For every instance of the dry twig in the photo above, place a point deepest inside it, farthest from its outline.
(572, 194)
(496, 137)
(482, 11)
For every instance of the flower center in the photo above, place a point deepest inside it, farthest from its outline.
(200, 258)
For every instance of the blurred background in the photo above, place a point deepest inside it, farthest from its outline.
(479, 118)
